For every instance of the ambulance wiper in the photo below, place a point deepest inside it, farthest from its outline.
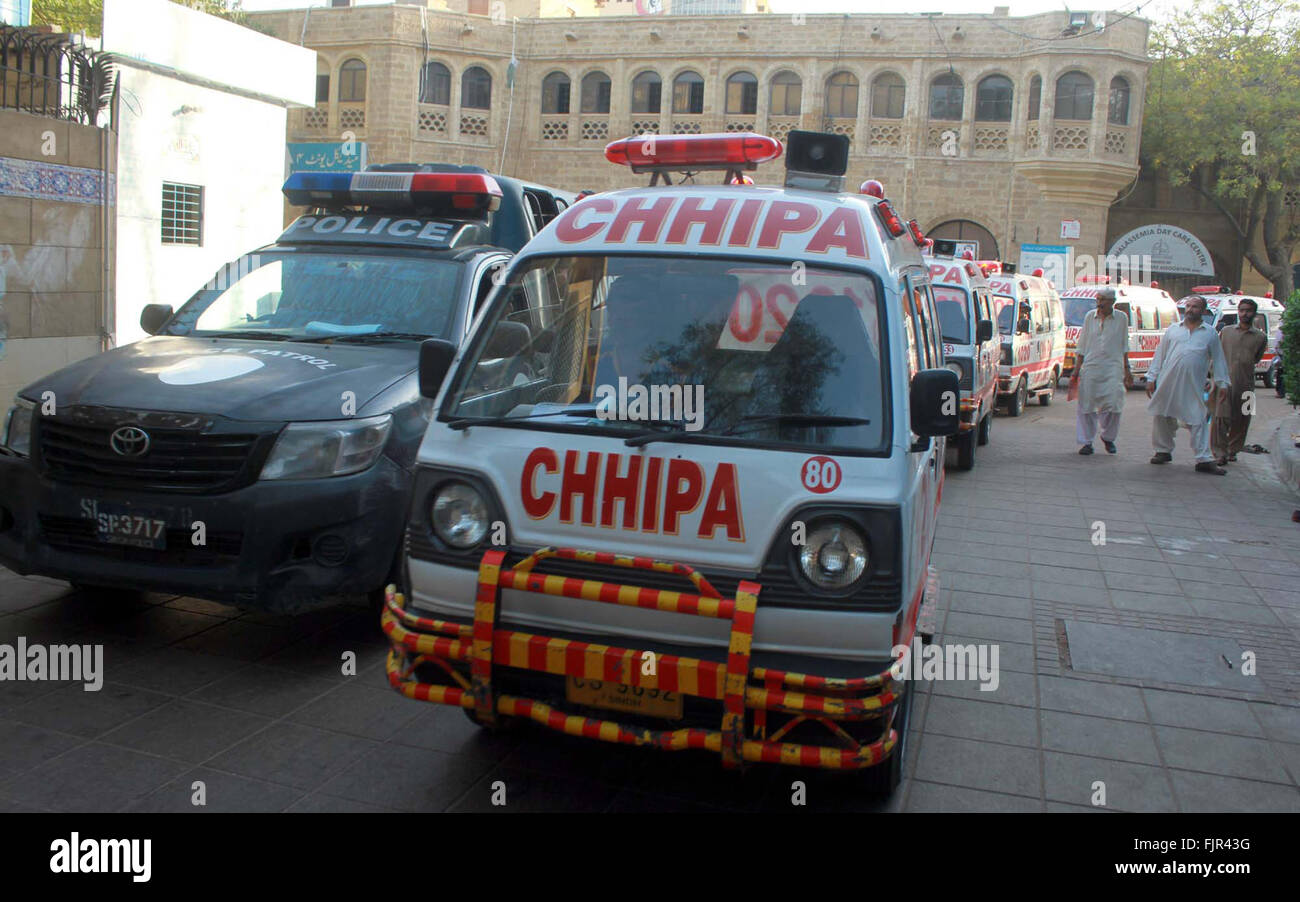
(588, 410)
(798, 419)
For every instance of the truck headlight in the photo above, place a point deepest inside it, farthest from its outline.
(18, 427)
(331, 448)
(834, 555)
(459, 515)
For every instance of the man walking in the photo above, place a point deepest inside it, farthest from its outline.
(1101, 374)
(1176, 385)
(1243, 347)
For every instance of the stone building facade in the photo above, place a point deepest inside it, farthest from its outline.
(980, 126)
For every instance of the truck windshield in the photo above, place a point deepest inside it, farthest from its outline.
(1077, 308)
(952, 304)
(311, 295)
(700, 347)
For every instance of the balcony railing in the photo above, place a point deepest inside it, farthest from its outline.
(47, 75)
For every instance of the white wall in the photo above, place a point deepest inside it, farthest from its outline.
(172, 129)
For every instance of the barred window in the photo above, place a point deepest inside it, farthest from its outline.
(182, 214)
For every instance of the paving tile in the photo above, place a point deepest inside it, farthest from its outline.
(241, 640)
(1091, 697)
(1280, 722)
(1128, 787)
(89, 714)
(531, 791)
(1098, 737)
(25, 746)
(92, 778)
(937, 797)
(1217, 753)
(269, 691)
(359, 710)
(1013, 689)
(1209, 792)
(979, 765)
(967, 719)
(186, 730)
(319, 803)
(992, 605)
(407, 779)
(175, 671)
(1141, 582)
(221, 792)
(989, 628)
(292, 754)
(1202, 712)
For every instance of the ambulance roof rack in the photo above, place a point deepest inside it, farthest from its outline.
(730, 153)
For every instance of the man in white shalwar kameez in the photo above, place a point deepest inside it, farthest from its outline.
(1102, 375)
(1176, 384)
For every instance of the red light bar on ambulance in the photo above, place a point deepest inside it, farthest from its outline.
(889, 219)
(452, 193)
(742, 150)
(1206, 289)
(1094, 280)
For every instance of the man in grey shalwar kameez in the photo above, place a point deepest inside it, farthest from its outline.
(1102, 374)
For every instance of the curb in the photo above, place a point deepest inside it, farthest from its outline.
(1286, 456)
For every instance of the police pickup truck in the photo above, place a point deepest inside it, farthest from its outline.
(258, 449)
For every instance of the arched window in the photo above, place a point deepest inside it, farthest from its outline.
(993, 99)
(842, 96)
(887, 94)
(435, 84)
(1035, 96)
(646, 90)
(1117, 112)
(1073, 96)
(595, 93)
(476, 89)
(688, 93)
(742, 94)
(786, 94)
(322, 83)
(352, 82)
(946, 97)
(555, 93)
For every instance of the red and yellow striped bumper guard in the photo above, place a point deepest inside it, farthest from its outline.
(797, 697)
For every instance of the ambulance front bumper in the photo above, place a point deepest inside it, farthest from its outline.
(733, 705)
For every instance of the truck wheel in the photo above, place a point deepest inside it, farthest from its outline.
(985, 428)
(966, 451)
(1016, 406)
(884, 778)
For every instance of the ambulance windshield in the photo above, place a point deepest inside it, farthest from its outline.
(1077, 308)
(310, 296)
(701, 347)
(951, 303)
(1006, 308)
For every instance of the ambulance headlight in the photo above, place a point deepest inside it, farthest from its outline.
(329, 448)
(17, 433)
(834, 555)
(459, 514)
(963, 368)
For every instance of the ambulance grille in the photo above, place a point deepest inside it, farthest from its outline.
(177, 460)
(779, 587)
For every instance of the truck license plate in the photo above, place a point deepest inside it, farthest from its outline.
(621, 697)
(121, 526)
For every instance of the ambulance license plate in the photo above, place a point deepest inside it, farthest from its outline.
(621, 697)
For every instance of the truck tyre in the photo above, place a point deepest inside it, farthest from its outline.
(966, 450)
(1016, 406)
(884, 778)
(985, 428)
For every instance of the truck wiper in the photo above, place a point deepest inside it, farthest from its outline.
(465, 422)
(798, 419)
(372, 336)
(245, 333)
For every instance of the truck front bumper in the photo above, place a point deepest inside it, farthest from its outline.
(282, 546)
(757, 709)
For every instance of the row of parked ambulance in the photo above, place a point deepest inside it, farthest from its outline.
(659, 466)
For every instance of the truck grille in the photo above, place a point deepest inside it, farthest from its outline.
(185, 460)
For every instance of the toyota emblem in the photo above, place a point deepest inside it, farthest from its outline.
(129, 441)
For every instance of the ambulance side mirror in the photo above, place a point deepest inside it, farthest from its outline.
(983, 330)
(436, 355)
(154, 316)
(936, 403)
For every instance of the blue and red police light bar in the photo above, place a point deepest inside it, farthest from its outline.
(741, 150)
(453, 193)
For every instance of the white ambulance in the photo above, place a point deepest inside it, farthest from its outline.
(1150, 311)
(1221, 309)
(970, 344)
(680, 488)
(1032, 325)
